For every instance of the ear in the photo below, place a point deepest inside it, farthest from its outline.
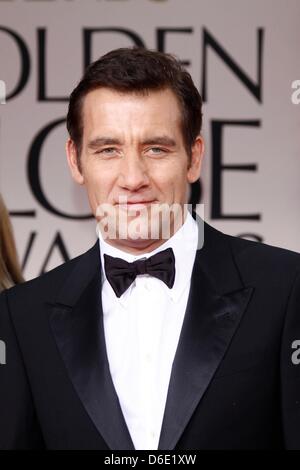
(197, 155)
(71, 152)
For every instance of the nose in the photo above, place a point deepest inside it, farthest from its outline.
(133, 174)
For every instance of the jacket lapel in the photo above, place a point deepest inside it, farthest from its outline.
(76, 320)
(216, 303)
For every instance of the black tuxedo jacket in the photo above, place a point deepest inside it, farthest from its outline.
(233, 384)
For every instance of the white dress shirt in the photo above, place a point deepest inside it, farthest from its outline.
(142, 329)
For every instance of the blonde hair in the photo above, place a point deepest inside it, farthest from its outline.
(10, 271)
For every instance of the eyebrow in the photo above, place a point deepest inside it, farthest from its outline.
(158, 140)
(99, 141)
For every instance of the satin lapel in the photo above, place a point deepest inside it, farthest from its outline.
(76, 320)
(210, 322)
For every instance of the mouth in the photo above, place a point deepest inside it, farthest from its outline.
(135, 204)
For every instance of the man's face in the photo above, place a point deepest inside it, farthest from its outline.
(132, 147)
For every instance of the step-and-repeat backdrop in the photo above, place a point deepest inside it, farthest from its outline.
(244, 55)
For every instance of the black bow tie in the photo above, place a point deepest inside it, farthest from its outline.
(120, 274)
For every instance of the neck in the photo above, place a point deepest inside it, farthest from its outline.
(135, 247)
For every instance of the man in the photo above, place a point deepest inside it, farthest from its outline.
(150, 342)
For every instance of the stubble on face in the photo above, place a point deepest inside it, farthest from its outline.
(128, 158)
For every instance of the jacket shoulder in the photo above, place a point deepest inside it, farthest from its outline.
(49, 283)
(258, 257)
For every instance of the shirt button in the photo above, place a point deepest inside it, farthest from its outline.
(148, 357)
(147, 285)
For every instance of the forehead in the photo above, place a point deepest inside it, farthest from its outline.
(116, 111)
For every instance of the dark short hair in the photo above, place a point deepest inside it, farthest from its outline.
(138, 70)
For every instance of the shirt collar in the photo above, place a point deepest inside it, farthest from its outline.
(184, 245)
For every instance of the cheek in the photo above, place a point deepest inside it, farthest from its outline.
(174, 176)
(97, 188)
(168, 172)
(172, 187)
(98, 179)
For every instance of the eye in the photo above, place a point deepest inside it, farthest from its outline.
(157, 150)
(107, 151)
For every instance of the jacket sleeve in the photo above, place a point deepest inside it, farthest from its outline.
(290, 369)
(19, 428)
